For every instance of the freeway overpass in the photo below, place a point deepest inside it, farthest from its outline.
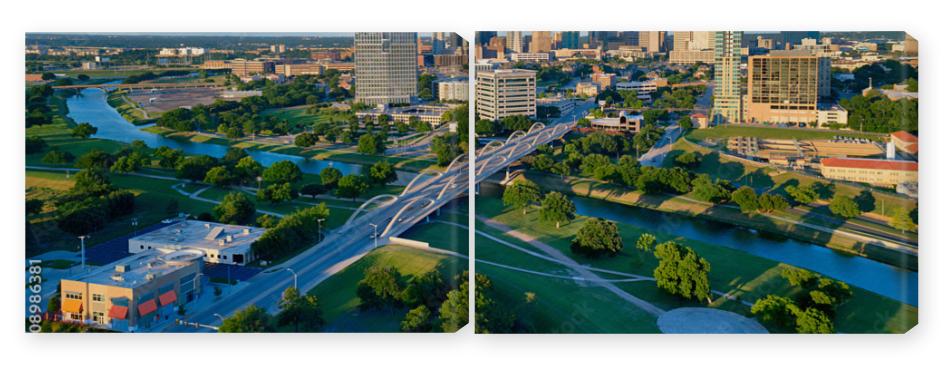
(499, 155)
(384, 216)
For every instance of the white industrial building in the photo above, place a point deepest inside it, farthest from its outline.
(220, 243)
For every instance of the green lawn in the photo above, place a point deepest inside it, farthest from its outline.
(441, 235)
(747, 276)
(770, 179)
(726, 131)
(127, 108)
(337, 294)
(151, 203)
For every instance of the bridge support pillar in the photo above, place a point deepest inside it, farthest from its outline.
(507, 173)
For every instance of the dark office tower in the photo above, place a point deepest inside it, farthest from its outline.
(570, 40)
(482, 38)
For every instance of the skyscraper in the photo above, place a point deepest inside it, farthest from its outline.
(570, 40)
(503, 93)
(540, 42)
(786, 86)
(385, 67)
(727, 97)
(514, 42)
(652, 41)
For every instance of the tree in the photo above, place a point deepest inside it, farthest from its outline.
(813, 321)
(646, 242)
(597, 237)
(417, 320)
(371, 144)
(681, 271)
(490, 316)
(34, 144)
(688, 160)
(776, 310)
(219, 176)
(90, 182)
(34, 206)
(427, 289)
(305, 140)
(168, 157)
(291, 233)
(329, 177)
(247, 169)
(844, 206)
(901, 220)
(195, 167)
(485, 127)
(58, 157)
(454, 311)
(249, 320)
(301, 311)
(235, 208)
(746, 198)
(382, 173)
(521, 194)
(282, 172)
(707, 190)
(95, 159)
(445, 148)
(802, 194)
(557, 208)
(84, 130)
(351, 187)
(312, 190)
(770, 202)
(381, 286)
(276, 193)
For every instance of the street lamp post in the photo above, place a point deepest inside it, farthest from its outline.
(135, 226)
(320, 229)
(259, 180)
(295, 276)
(82, 250)
(375, 236)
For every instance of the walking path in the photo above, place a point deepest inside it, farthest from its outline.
(583, 271)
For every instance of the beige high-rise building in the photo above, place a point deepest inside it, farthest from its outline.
(693, 41)
(910, 45)
(727, 96)
(652, 41)
(786, 86)
(514, 41)
(386, 70)
(503, 93)
(540, 42)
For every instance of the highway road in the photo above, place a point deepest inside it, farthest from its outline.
(384, 215)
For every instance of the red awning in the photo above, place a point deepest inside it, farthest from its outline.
(118, 312)
(168, 297)
(147, 307)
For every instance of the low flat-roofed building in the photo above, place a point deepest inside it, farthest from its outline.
(291, 70)
(564, 106)
(534, 57)
(878, 172)
(699, 120)
(689, 57)
(134, 293)
(453, 90)
(623, 123)
(604, 80)
(831, 116)
(430, 114)
(586, 89)
(219, 243)
(905, 141)
(575, 53)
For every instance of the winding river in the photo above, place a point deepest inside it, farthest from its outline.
(91, 106)
(880, 278)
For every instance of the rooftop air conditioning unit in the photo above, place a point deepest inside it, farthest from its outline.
(118, 277)
(123, 268)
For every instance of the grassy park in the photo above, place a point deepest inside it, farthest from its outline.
(340, 303)
(746, 276)
(764, 132)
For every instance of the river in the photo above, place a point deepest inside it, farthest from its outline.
(883, 279)
(91, 106)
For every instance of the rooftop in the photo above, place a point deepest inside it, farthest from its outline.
(904, 136)
(881, 164)
(138, 269)
(201, 235)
